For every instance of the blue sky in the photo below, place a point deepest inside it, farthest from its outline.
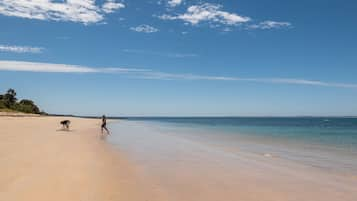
(181, 58)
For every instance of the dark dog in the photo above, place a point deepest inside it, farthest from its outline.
(65, 124)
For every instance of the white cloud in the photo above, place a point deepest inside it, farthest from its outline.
(174, 3)
(214, 15)
(144, 28)
(165, 54)
(170, 3)
(270, 25)
(59, 68)
(207, 12)
(110, 6)
(157, 75)
(81, 11)
(20, 49)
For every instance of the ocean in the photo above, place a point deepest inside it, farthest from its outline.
(215, 154)
(324, 142)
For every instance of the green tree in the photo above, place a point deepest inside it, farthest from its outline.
(2, 105)
(9, 98)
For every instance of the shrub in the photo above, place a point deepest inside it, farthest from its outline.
(27, 106)
(2, 105)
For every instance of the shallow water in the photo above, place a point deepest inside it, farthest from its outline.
(329, 143)
(190, 162)
(333, 131)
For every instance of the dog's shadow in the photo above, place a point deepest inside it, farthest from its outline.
(65, 130)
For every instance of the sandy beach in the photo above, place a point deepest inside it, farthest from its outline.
(39, 162)
(178, 100)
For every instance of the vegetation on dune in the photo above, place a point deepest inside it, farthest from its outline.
(9, 103)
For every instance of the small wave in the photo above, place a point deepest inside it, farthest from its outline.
(268, 155)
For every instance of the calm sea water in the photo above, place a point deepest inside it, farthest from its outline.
(339, 132)
(216, 158)
(329, 143)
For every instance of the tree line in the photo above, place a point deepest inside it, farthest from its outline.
(8, 101)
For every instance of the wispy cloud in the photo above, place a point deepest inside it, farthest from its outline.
(291, 81)
(63, 37)
(156, 75)
(20, 49)
(207, 12)
(144, 28)
(164, 54)
(270, 25)
(59, 68)
(81, 11)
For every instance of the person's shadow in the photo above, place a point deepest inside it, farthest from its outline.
(103, 136)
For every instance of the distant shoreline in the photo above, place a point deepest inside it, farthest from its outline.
(178, 117)
(20, 114)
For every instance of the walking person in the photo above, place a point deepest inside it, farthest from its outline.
(104, 125)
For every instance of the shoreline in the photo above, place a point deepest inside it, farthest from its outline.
(195, 169)
(41, 162)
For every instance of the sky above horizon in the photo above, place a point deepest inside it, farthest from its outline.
(181, 57)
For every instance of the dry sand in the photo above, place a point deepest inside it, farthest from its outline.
(38, 162)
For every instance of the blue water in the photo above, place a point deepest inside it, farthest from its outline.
(326, 142)
(332, 131)
(197, 156)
